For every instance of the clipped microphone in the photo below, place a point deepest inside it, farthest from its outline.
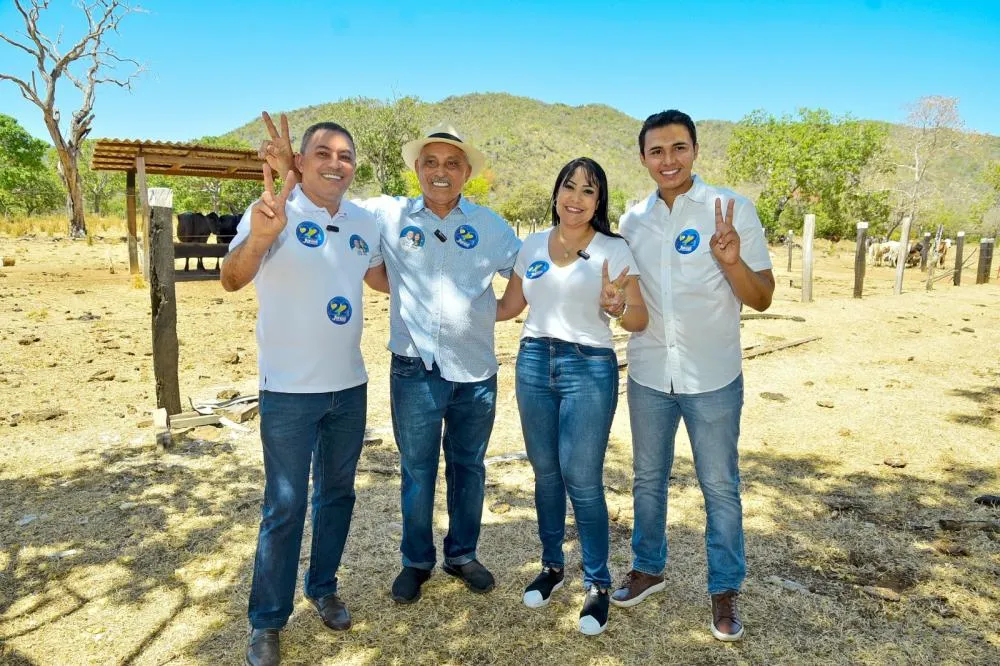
(440, 235)
(583, 255)
(330, 227)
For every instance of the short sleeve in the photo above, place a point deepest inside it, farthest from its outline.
(375, 249)
(522, 258)
(509, 247)
(621, 257)
(242, 230)
(753, 245)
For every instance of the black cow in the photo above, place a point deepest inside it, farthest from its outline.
(193, 228)
(224, 228)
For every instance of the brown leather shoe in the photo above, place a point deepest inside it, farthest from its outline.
(635, 587)
(263, 648)
(333, 611)
(726, 624)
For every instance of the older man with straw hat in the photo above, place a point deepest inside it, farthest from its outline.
(441, 252)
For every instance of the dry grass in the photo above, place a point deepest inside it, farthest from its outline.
(55, 226)
(141, 557)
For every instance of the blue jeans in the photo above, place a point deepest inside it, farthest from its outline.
(296, 429)
(567, 394)
(422, 402)
(712, 420)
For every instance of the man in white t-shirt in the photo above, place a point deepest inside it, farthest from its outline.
(701, 255)
(307, 251)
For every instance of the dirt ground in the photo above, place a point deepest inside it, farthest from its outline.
(114, 552)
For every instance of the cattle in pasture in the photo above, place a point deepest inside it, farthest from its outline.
(193, 228)
(224, 228)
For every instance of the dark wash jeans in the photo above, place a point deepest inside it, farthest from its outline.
(567, 394)
(422, 403)
(298, 429)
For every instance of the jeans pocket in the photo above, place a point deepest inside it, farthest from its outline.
(406, 366)
(596, 353)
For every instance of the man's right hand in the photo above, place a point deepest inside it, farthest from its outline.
(267, 216)
(277, 151)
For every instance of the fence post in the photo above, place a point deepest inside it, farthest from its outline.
(790, 241)
(859, 259)
(985, 260)
(933, 261)
(163, 298)
(133, 252)
(519, 228)
(924, 250)
(959, 246)
(904, 252)
(808, 231)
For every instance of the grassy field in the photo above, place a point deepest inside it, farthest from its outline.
(113, 552)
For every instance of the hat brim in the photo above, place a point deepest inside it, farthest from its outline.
(411, 152)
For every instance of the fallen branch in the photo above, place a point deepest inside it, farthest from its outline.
(778, 347)
(769, 315)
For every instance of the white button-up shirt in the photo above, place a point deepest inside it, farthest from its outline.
(310, 309)
(442, 305)
(692, 342)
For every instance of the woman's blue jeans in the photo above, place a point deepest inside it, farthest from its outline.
(567, 394)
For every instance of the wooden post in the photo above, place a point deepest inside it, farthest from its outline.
(164, 299)
(933, 255)
(985, 260)
(519, 228)
(904, 252)
(133, 252)
(808, 231)
(859, 259)
(959, 246)
(140, 184)
(924, 250)
(790, 241)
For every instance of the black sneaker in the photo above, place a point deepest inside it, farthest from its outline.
(539, 593)
(406, 587)
(475, 576)
(594, 616)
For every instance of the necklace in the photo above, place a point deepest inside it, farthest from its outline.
(567, 252)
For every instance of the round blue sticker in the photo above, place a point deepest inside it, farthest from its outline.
(309, 234)
(466, 236)
(687, 241)
(339, 310)
(536, 270)
(358, 244)
(412, 238)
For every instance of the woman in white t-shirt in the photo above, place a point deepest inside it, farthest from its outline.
(567, 373)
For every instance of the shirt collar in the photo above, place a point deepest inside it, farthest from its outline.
(697, 193)
(417, 205)
(301, 202)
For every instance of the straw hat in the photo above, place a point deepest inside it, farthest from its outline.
(444, 133)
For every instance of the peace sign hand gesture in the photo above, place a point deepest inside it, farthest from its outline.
(277, 151)
(267, 216)
(613, 291)
(725, 242)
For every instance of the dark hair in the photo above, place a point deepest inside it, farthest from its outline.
(333, 127)
(662, 119)
(595, 176)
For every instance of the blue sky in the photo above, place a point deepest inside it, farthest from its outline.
(212, 65)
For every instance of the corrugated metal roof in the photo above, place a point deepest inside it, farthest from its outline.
(176, 159)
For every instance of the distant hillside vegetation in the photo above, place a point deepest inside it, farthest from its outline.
(527, 140)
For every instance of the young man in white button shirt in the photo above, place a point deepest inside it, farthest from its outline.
(701, 255)
(307, 251)
(441, 252)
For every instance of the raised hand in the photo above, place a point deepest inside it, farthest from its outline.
(613, 291)
(267, 217)
(725, 242)
(277, 151)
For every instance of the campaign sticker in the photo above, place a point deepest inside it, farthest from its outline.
(358, 245)
(687, 241)
(466, 237)
(339, 310)
(309, 234)
(412, 238)
(536, 270)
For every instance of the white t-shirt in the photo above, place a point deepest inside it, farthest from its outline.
(309, 297)
(692, 342)
(564, 301)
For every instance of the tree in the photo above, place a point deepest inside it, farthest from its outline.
(617, 203)
(103, 191)
(380, 129)
(528, 201)
(814, 161)
(87, 63)
(26, 183)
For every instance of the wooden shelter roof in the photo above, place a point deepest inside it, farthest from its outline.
(176, 159)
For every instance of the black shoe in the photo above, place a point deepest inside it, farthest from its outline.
(263, 649)
(476, 577)
(406, 587)
(594, 616)
(539, 593)
(333, 611)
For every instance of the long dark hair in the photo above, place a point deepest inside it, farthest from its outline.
(596, 177)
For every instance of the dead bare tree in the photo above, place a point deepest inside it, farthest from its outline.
(93, 63)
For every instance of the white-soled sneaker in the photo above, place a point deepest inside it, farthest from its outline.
(539, 593)
(594, 616)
